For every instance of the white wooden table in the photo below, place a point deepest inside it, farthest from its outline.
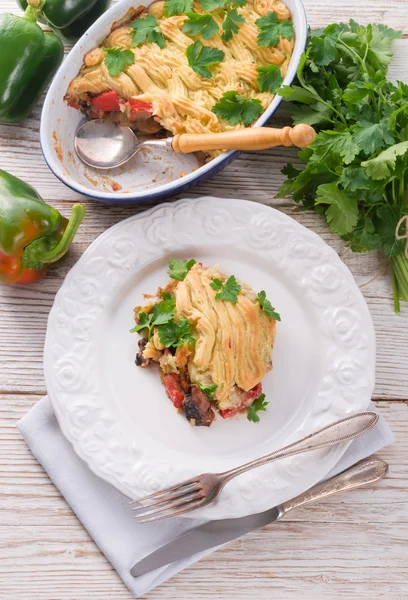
(355, 545)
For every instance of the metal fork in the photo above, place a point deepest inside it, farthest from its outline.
(202, 490)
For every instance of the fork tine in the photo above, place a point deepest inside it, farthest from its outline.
(190, 506)
(162, 499)
(166, 506)
(166, 491)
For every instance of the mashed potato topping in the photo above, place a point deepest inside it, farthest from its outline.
(228, 339)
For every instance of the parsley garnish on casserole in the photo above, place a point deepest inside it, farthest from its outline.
(187, 66)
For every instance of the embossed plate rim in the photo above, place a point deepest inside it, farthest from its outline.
(243, 497)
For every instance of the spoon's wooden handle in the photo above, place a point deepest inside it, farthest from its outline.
(251, 138)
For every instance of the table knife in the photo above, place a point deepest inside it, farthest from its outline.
(216, 533)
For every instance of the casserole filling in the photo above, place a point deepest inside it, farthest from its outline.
(212, 337)
(159, 70)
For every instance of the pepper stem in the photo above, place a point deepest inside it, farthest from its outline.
(37, 254)
(77, 214)
(34, 9)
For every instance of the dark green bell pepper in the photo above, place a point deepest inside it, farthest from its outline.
(71, 18)
(29, 59)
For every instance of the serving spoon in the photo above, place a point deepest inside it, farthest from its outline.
(103, 145)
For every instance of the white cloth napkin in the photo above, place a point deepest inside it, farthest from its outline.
(104, 511)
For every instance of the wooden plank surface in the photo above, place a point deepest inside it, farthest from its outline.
(351, 546)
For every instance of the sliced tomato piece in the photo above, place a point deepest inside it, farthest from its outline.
(140, 112)
(247, 400)
(74, 105)
(108, 102)
(140, 106)
(174, 389)
(253, 394)
(229, 412)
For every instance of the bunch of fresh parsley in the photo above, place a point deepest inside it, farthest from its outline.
(356, 171)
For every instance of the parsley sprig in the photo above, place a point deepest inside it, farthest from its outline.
(208, 390)
(175, 334)
(234, 108)
(177, 7)
(197, 24)
(231, 24)
(267, 306)
(356, 171)
(171, 333)
(179, 267)
(117, 59)
(147, 29)
(206, 26)
(210, 5)
(201, 58)
(269, 78)
(270, 29)
(227, 291)
(161, 314)
(258, 405)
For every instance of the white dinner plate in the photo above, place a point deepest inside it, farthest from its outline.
(118, 416)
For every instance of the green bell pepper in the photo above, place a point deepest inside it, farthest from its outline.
(29, 59)
(32, 233)
(71, 18)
